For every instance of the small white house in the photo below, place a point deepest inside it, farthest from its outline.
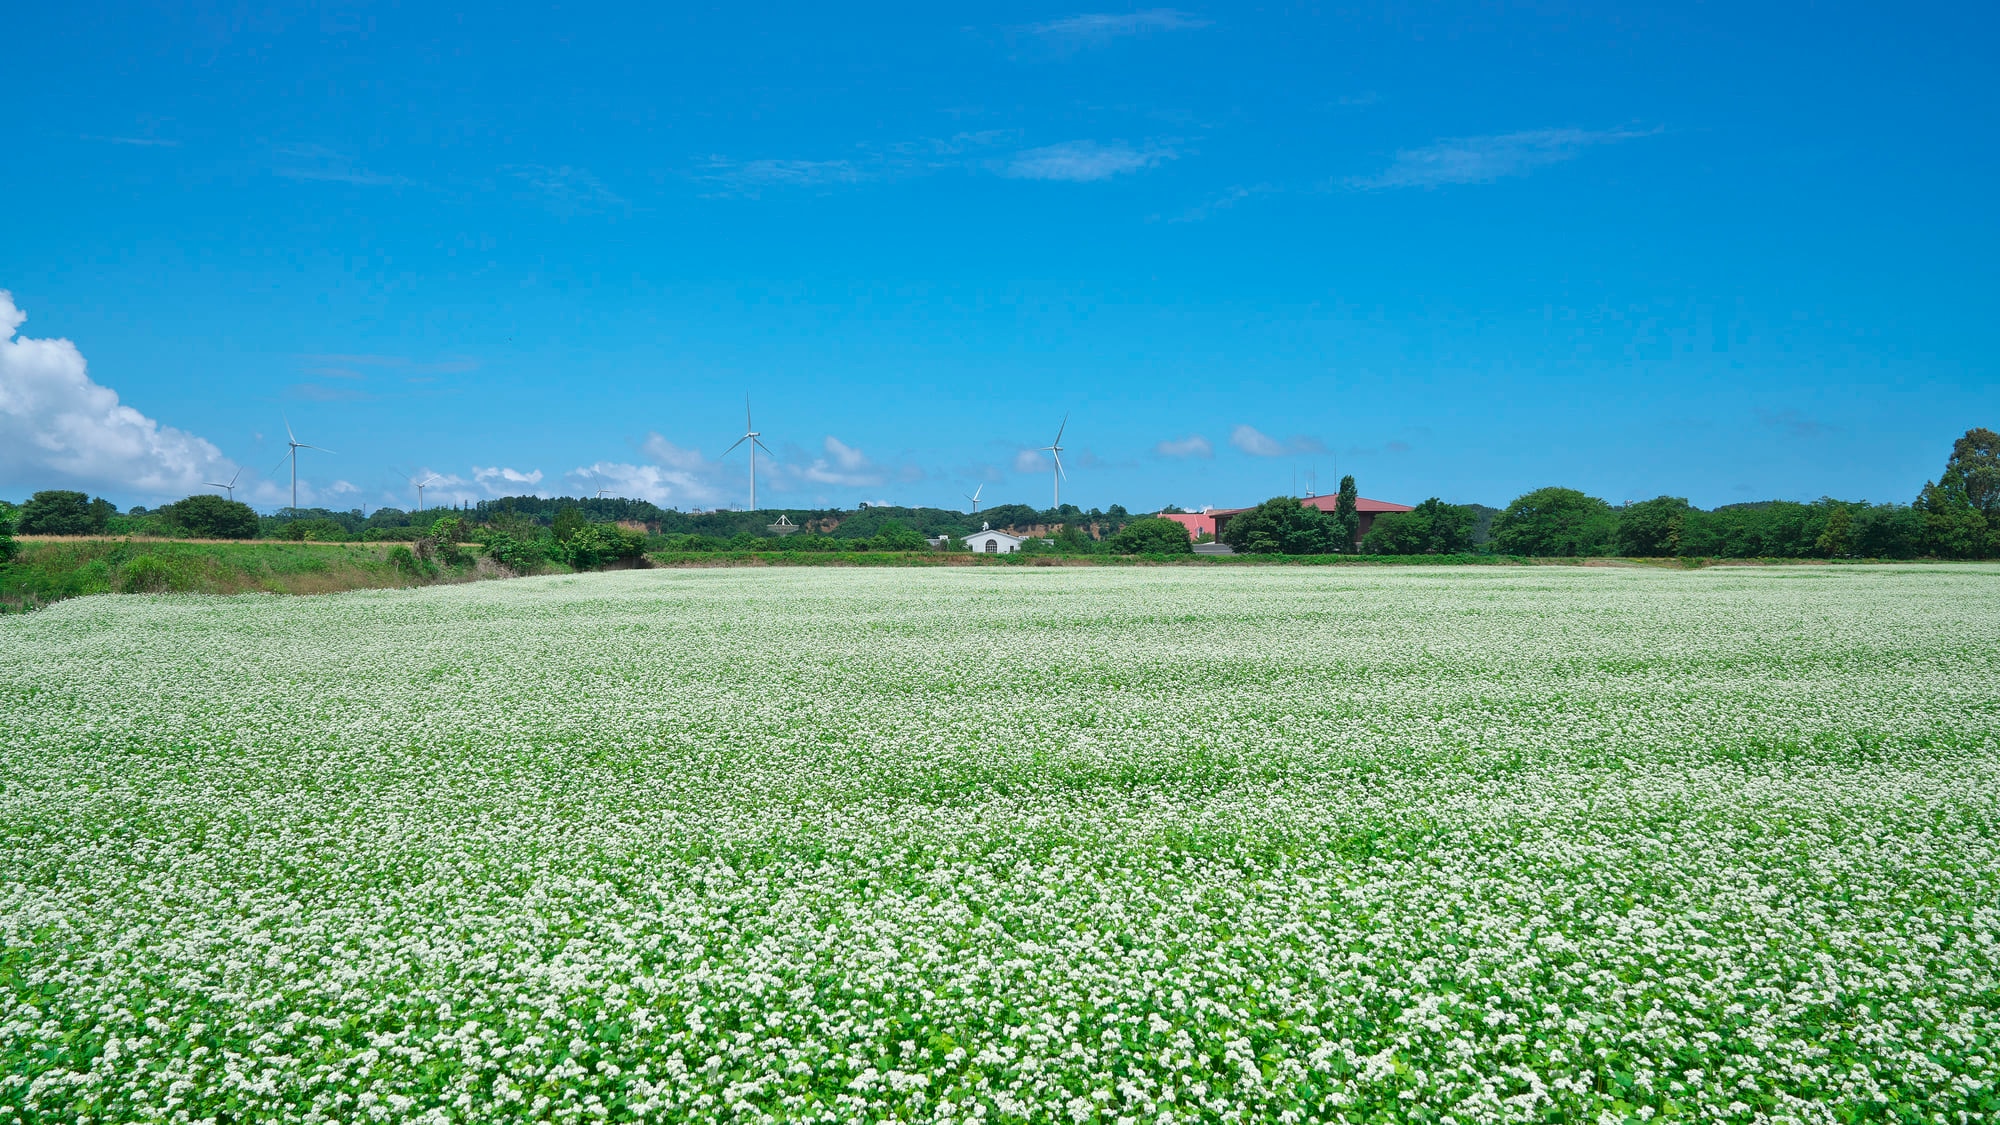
(990, 542)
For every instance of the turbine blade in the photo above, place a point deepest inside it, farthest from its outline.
(1060, 429)
(732, 448)
(288, 428)
(762, 446)
(1059, 468)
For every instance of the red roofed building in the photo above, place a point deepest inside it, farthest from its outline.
(1363, 507)
(1197, 523)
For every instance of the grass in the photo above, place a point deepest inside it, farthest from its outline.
(47, 570)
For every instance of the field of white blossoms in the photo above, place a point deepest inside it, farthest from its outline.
(1066, 845)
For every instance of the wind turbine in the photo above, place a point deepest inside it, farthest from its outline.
(420, 488)
(231, 486)
(601, 492)
(1054, 449)
(292, 440)
(749, 435)
(974, 497)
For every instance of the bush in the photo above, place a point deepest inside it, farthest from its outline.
(62, 512)
(410, 564)
(1151, 535)
(205, 516)
(6, 534)
(1555, 523)
(516, 555)
(314, 531)
(599, 544)
(1282, 526)
(146, 574)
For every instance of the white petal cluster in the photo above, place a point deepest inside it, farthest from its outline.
(1062, 845)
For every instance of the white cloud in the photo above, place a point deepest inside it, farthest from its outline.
(58, 427)
(566, 190)
(748, 177)
(1081, 161)
(342, 487)
(843, 465)
(677, 476)
(1031, 461)
(1092, 28)
(1193, 445)
(318, 162)
(1255, 442)
(1477, 160)
(500, 480)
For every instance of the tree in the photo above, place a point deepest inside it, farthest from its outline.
(1151, 535)
(1835, 540)
(1555, 522)
(893, 536)
(57, 512)
(1282, 526)
(1653, 529)
(205, 516)
(1961, 509)
(1431, 528)
(1346, 521)
(6, 534)
(568, 521)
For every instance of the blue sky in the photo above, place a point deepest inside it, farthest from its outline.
(1725, 251)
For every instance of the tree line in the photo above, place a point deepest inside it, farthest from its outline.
(1956, 516)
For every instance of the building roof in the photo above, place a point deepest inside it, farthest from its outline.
(1328, 502)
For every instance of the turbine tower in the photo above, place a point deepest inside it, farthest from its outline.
(750, 435)
(420, 488)
(1054, 449)
(292, 440)
(231, 486)
(974, 497)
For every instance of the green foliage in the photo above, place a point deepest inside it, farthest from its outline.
(1151, 535)
(6, 533)
(62, 512)
(1961, 509)
(601, 544)
(745, 541)
(1070, 539)
(1346, 521)
(1431, 528)
(448, 529)
(522, 556)
(1555, 523)
(1282, 526)
(206, 516)
(410, 564)
(1652, 528)
(893, 536)
(568, 521)
(314, 531)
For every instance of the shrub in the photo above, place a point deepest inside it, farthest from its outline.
(1151, 535)
(410, 564)
(145, 574)
(516, 555)
(314, 531)
(6, 534)
(212, 517)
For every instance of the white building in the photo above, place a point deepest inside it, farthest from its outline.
(991, 542)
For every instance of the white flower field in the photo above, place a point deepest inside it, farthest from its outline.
(1489, 844)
